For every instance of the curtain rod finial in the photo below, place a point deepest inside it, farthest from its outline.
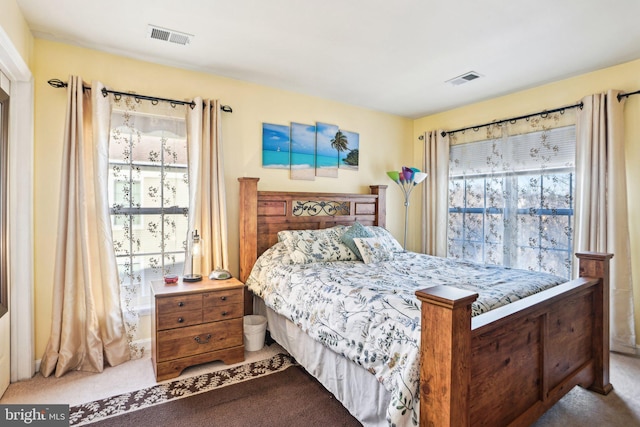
(57, 83)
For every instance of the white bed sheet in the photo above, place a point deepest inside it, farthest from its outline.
(343, 378)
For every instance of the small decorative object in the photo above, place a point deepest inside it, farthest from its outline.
(170, 279)
(219, 274)
(407, 179)
(194, 250)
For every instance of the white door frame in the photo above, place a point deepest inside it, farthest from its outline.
(20, 209)
(5, 324)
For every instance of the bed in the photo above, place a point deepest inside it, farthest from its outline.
(505, 366)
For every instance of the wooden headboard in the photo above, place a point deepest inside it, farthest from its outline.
(264, 213)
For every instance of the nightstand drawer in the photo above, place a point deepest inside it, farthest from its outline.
(179, 303)
(222, 312)
(179, 319)
(227, 296)
(198, 339)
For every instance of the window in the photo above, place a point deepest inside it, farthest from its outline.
(149, 199)
(511, 201)
(123, 191)
(4, 276)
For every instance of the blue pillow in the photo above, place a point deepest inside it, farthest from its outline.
(356, 230)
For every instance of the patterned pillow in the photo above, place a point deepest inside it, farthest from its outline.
(373, 249)
(307, 246)
(356, 230)
(285, 235)
(386, 238)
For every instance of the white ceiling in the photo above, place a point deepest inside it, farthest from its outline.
(386, 55)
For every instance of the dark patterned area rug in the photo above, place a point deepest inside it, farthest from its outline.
(162, 393)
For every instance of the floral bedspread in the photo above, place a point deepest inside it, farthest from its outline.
(369, 314)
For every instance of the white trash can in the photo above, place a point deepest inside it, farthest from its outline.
(255, 328)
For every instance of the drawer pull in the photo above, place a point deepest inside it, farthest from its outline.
(223, 298)
(180, 320)
(199, 341)
(224, 313)
(180, 304)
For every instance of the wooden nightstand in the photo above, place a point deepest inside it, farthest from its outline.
(194, 323)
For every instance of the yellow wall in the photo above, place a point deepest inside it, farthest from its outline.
(625, 77)
(13, 23)
(387, 142)
(384, 141)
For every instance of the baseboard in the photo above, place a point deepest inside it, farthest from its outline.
(625, 349)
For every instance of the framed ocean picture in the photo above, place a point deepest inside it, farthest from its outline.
(350, 150)
(326, 150)
(276, 145)
(303, 151)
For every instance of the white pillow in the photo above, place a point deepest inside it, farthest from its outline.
(373, 249)
(386, 238)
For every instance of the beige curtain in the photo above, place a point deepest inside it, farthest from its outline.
(435, 193)
(87, 328)
(601, 218)
(208, 208)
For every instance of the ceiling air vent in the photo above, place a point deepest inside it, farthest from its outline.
(167, 35)
(466, 77)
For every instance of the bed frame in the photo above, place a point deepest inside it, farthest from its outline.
(504, 367)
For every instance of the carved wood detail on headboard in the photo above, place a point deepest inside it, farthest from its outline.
(264, 213)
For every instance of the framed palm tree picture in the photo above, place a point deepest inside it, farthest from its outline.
(326, 150)
(349, 149)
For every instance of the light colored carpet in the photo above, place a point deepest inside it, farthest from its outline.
(78, 387)
(621, 407)
(577, 409)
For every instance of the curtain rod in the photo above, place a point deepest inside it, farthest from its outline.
(57, 83)
(626, 95)
(541, 113)
(514, 119)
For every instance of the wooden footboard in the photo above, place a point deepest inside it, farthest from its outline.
(508, 366)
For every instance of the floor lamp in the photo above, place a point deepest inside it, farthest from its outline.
(407, 179)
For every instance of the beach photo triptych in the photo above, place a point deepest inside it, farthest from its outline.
(309, 151)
